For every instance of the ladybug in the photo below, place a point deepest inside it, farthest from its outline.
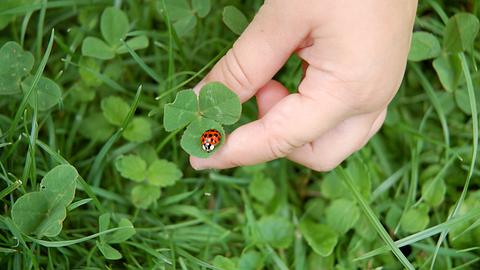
(209, 139)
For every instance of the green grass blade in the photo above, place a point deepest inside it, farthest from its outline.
(26, 96)
(20, 10)
(423, 234)
(10, 189)
(389, 182)
(463, 266)
(374, 220)
(105, 79)
(25, 21)
(473, 108)
(437, 177)
(279, 263)
(151, 251)
(470, 228)
(65, 243)
(439, 10)
(142, 64)
(193, 77)
(41, 20)
(170, 30)
(436, 104)
(8, 222)
(445, 251)
(196, 260)
(95, 172)
(77, 204)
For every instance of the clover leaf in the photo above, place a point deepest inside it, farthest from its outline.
(190, 141)
(460, 32)
(224, 263)
(143, 196)
(41, 213)
(115, 109)
(95, 127)
(139, 130)
(275, 231)
(89, 68)
(162, 173)
(234, 19)
(320, 237)
(415, 219)
(183, 14)
(119, 236)
(218, 103)
(109, 252)
(342, 215)
(185, 109)
(201, 7)
(114, 26)
(48, 93)
(16, 64)
(215, 105)
(449, 71)
(123, 234)
(132, 167)
(135, 43)
(262, 188)
(424, 46)
(97, 48)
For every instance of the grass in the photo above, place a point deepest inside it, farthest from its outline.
(242, 218)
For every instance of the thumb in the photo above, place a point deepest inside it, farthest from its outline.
(262, 49)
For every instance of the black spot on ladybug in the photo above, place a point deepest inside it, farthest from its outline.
(209, 135)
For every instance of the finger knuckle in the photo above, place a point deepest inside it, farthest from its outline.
(279, 147)
(234, 73)
(279, 144)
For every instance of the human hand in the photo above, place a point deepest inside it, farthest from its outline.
(354, 55)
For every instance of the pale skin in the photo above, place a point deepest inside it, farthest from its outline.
(354, 55)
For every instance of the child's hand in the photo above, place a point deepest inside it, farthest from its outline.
(354, 55)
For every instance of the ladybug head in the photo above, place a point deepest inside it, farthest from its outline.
(208, 147)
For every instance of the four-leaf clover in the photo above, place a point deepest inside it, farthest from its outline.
(215, 106)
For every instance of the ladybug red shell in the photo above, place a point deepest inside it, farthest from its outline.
(209, 139)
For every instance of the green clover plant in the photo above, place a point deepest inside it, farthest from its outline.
(120, 236)
(458, 36)
(215, 106)
(100, 126)
(184, 14)
(150, 178)
(15, 77)
(234, 19)
(114, 27)
(41, 213)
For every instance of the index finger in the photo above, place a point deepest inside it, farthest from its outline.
(261, 50)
